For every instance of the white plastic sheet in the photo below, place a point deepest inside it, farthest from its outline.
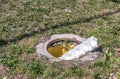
(81, 49)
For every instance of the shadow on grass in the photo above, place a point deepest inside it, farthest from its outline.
(84, 20)
(117, 1)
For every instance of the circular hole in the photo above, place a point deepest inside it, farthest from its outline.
(58, 47)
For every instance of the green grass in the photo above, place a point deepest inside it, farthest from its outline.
(25, 23)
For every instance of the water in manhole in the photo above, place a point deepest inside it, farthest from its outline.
(60, 47)
(59, 44)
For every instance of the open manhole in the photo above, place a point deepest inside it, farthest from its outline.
(59, 47)
(59, 44)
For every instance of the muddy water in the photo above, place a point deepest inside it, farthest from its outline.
(59, 50)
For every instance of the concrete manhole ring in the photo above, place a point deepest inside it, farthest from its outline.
(41, 49)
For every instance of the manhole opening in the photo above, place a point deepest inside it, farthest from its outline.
(58, 47)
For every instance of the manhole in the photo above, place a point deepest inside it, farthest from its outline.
(59, 44)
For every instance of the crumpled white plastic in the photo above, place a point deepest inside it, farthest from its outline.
(81, 49)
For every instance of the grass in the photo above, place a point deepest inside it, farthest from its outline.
(25, 23)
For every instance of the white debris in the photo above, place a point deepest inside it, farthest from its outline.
(4, 77)
(82, 49)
